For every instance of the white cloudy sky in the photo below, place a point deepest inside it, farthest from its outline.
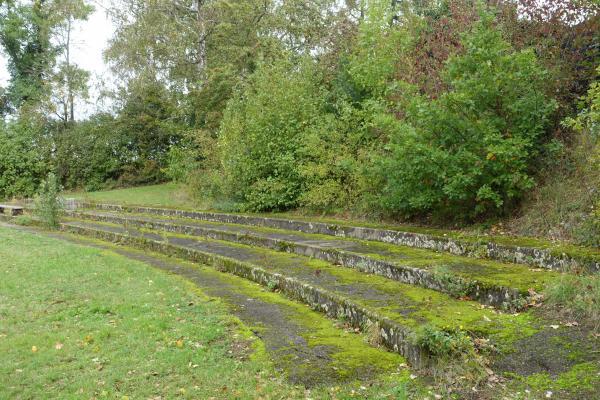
(91, 39)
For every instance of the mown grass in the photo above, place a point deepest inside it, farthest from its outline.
(77, 322)
(169, 194)
(81, 323)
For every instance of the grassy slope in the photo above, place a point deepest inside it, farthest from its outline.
(77, 322)
(164, 195)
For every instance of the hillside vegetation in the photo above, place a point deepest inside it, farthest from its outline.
(436, 112)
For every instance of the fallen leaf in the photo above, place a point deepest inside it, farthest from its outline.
(58, 346)
(554, 326)
(34, 349)
(179, 343)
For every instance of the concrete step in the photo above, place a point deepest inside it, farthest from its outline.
(393, 311)
(531, 252)
(507, 286)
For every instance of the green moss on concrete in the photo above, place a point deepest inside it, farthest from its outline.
(411, 306)
(487, 272)
(581, 381)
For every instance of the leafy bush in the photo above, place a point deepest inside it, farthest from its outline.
(457, 363)
(49, 203)
(22, 165)
(469, 152)
(262, 133)
(587, 125)
(89, 153)
(442, 343)
(180, 162)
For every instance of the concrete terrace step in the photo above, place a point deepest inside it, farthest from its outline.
(396, 310)
(556, 258)
(500, 285)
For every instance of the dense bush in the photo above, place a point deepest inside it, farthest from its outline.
(410, 109)
(587, 124)
(468, 152)
(131, 148)
(22, 164)
(261, 135)
(88, 153)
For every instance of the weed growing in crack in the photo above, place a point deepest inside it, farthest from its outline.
(49, 204)
(450, 283)
(577, 296)
(456, 362)
(272, 285)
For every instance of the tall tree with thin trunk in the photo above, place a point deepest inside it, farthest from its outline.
(69, 81)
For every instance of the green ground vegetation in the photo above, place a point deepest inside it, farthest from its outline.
(485, 271)
(82, 322)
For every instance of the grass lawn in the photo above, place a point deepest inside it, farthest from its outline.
(170, 194)
(78, 322)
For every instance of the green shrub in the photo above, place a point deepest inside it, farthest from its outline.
(470, 151)
(23, 220)
(587, 125)
(49, 203)
(181, 161)
(444, 343)
(22, 166)
(262, 132)
(457, 363)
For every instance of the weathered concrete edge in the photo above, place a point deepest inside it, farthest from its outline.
(394, 336)
(515, 254)
(498, 296)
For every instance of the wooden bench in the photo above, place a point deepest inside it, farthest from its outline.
(13, 210)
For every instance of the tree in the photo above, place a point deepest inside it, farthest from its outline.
(69, 81)
(22, 163)
(25, 35)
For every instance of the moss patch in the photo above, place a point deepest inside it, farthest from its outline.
(580, 382)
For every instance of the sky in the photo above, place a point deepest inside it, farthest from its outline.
(91, 39)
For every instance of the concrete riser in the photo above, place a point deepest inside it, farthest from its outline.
(514, 254)
(496, 296)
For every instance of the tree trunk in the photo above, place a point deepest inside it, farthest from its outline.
(201, 38)
(70, 97)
